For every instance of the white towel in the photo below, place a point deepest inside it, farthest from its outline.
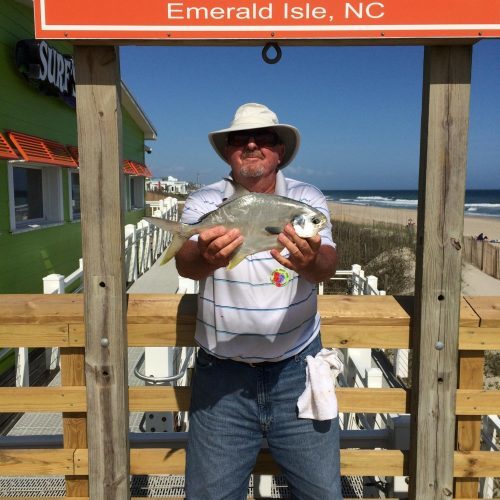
(318, 401)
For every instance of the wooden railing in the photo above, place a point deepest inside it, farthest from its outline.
(168, 320)
(483, 254)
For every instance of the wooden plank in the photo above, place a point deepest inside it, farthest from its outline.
(443, 158)
(74, 424)
(36, 462)
(366, 336)
(52, 462)
(145, 335)
(101, 184)
(477, 402)
(468, 317)
(72, 400)
(41, 308)
(162, 308)
(350, 399)
(172, 461)
(470, 376)
(30, 335)
(479, 339)
(159, 398)
(476, 464)
(362, 336)
(57, 310)
(487, 308)
(42, 399)
(362, 310)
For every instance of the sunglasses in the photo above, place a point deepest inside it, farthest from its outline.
(263, 138)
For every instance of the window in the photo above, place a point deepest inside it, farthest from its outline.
(35, 195)
(74, 190)
(136, 192)
(28, 194)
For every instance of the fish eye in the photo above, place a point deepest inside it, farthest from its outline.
(316, 220)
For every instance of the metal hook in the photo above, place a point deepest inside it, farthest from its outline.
(265, 50)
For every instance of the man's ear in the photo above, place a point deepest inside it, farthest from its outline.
(281, 152)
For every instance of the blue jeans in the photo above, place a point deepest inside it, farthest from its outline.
(234, 405)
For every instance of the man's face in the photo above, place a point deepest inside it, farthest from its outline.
(254, 153)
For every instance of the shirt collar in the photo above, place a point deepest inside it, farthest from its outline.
(280, 189)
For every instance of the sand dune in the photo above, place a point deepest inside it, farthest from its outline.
(474, 281)
(473, 225)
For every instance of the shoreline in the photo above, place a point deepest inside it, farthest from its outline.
(473, 224)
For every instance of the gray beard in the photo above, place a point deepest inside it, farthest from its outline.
(255, 171)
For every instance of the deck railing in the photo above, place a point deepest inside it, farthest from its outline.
(483, 254)
(168, 320)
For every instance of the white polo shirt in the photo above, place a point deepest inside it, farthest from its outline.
(243, 314)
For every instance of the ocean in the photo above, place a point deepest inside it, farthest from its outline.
(481, 202)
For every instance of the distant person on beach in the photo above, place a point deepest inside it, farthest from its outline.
(256, 325)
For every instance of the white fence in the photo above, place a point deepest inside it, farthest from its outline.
(144, 243)
(358, 284)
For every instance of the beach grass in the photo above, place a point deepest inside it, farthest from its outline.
(384, 250)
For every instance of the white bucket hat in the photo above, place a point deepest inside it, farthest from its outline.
(251, 116)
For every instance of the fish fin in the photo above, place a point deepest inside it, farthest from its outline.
(273, 229)
(179, 231)
(239, 191)
(235, 260)
(173, 248)
(171, 226)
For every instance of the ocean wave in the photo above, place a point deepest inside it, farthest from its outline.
(482, 205)
(478, 203)
(389, 202)
(374, 198)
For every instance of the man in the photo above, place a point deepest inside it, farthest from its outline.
(255, 331)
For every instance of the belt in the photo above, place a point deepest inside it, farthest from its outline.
(264, 363)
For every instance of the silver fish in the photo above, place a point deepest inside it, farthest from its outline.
(259, 217)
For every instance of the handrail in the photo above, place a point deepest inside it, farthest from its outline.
(169, 320)
(161, 380)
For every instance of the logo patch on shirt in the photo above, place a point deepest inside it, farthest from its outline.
(280, 277)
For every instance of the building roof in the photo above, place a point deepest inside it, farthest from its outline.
(137, 114)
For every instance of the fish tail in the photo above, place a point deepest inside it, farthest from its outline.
(178, 231)
(173, 248)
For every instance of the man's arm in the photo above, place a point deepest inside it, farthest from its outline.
(308, 257)
(215, 246)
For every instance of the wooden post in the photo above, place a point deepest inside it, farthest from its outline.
(74, 424)
(100, 151)
(443, 158)
(471, 376)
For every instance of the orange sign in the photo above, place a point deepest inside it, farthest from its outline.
(265, 19)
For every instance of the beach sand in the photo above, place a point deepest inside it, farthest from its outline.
(474, 281)
(473, 225)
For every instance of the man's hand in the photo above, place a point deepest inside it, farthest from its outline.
(308, 257)
(303, 251)
(216, 245)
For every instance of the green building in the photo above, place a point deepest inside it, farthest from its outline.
(39, 175)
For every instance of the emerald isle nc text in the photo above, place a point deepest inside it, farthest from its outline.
(179, 11)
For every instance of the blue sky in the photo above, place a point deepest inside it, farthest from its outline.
(357, 108)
